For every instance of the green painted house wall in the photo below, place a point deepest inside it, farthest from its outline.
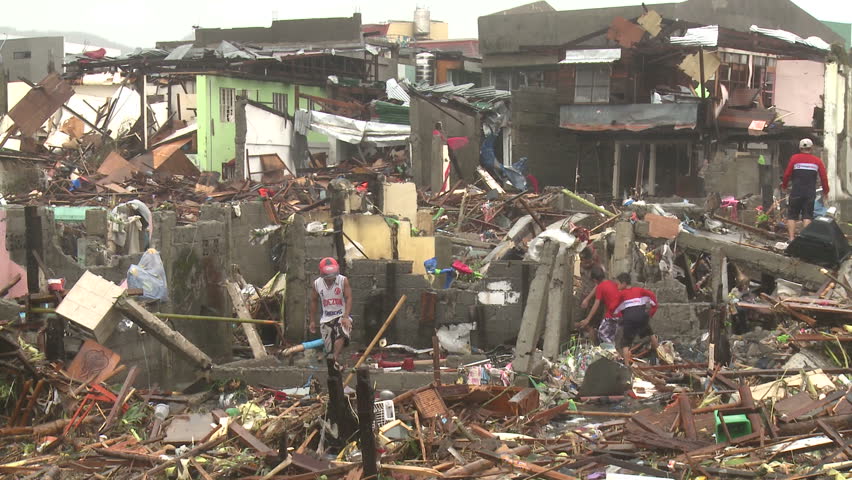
(216, 129)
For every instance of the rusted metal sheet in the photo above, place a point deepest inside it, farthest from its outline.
(734, 118)
(39, 104)
(625, 32)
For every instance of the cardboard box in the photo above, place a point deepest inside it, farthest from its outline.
(89, 305)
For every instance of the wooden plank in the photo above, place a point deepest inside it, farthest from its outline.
(811, 406)
(835, 436)
(687, 421)
(162, 332)
(257, 348)
(121, 397)
(309, 463)
(246, 437)
(530, 468)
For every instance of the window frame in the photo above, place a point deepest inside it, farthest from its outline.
(599, 87)
(227, 104)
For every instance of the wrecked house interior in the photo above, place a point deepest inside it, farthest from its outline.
(325, 249)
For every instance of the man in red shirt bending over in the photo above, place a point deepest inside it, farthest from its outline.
(802, 171)
(606, 292)
(636, 308)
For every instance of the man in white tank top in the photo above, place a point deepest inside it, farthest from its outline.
(332, 297)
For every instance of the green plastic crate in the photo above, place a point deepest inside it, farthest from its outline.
(738, 426)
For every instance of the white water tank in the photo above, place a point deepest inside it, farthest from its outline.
(424, 68)
(422, 22)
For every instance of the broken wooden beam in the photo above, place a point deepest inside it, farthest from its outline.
(527, 467)
(121, 397)
(257, 348)
(246, 437)
(687, 421)
(162, 332)
(477, 466)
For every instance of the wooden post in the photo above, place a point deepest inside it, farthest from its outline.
(436, 360)
(166, 335)
(367, 437)
(652, 169)
(32, 222)
(377, 337)
(241, 127)
(616, 171)
(339, 412)
(143, 104)
(257, 348)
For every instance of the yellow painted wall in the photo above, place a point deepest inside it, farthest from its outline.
(416, 249)
(371, 232)
(400, 199)
(374, 236)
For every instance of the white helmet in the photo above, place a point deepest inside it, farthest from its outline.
(805, 143)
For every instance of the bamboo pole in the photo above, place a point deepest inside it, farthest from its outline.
(376, 339)
(587, 203)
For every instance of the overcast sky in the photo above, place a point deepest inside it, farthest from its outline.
(136, 23)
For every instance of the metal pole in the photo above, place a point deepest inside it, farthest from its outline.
(178, 316)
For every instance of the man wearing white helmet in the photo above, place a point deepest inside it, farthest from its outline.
(802, 172)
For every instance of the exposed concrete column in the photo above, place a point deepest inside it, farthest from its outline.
(240, 138)
(559, 304)
(652, 169)
(534, 312)
(616, 170)
(622, 253)
(295, 308)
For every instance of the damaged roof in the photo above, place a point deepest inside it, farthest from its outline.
(480, 99)
(502, 33)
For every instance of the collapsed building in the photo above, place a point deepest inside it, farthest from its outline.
(173, 229)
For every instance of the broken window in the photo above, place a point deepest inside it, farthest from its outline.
(22, 55)
(739, 70)
(592, 84)
(227, 98)
(279, 102)
(502, 79)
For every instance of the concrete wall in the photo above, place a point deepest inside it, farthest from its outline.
(42, 51)
(196, 258)
(718, 178)
(799, 86)
(495, 304)
(215, 137)
(552, 151)
(424, 115)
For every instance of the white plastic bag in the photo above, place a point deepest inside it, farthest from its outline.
(150, 276)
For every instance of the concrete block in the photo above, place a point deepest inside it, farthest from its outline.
(412, 282)
(361, 282)
(96, 222)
